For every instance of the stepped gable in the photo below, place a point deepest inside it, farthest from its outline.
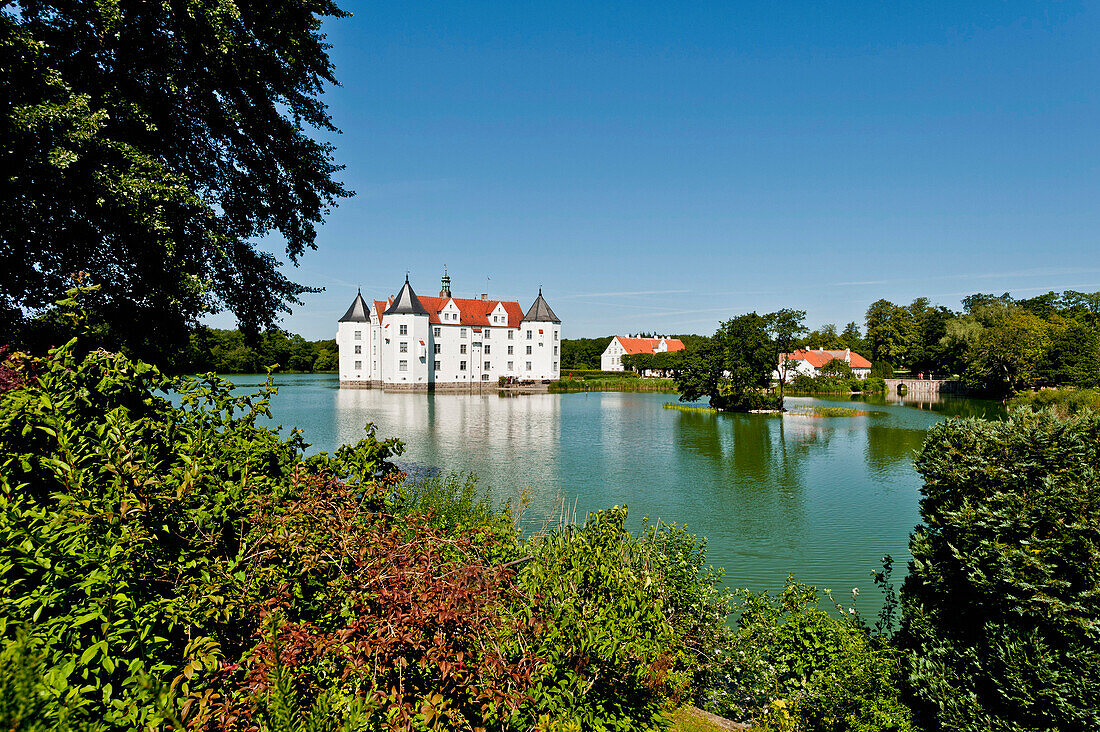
(406, 302)
(358, 312)
(634, 346)
(540, 312)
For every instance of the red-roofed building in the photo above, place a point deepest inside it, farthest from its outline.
(423, 343)
(612, 358)
(810, 361)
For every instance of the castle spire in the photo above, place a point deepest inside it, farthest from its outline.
(445, 284)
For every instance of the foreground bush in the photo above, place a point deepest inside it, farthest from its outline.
(1063, 402)
(1001, 604)
(794, 666)
(184, 567)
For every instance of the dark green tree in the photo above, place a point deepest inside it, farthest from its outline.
(733, 368)
(852, 338)
(929, 328)
(151, 146)
(999, 609)
(1072, 357)
(784, 328)
(582, 353)
(889, 332)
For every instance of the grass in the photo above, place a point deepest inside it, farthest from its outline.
(689, 408)
(689, 719)
(827, 412)
(618, 383)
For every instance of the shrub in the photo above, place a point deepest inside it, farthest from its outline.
(802, 383)
(882, 369)
(164, 563)
(183, 567)
(873, 385)
(795, 666)
(1063, 402)
(611, 658)
(837, 367)
(1000, 606)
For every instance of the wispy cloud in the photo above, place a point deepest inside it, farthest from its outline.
(622, 294)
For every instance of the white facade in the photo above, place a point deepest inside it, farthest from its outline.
(810, 362)
(411, 342)
(612, 357)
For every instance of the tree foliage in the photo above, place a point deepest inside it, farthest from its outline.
(1000, 606)
(150, 146)
(182, 566)
(733, 368)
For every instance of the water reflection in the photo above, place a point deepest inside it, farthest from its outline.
(822, 497)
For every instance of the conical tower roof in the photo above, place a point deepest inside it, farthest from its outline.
(406, 302)
(358, 312)
(540, 312)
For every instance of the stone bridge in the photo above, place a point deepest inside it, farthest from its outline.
(918, 387)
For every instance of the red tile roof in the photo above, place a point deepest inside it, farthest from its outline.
(473, 312)
(819, 358)
(649, 345)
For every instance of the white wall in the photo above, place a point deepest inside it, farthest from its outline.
(611, 360)
(346, 342)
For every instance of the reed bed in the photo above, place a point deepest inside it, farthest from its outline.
(664, 386)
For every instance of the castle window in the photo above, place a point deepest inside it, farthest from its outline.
(555, 350)
(436, 347)
(437, 331)
(461, 332)
(486, 348)
(358, 365)
(358, 335)
(404, 348)
(510, 334)
(358, 349)
(510, 350)
(529, 335)
(485, 377)
(402, 365)
(404, 330)
(462, 348)
(528, 350)
(555, 335)
(461, 365)
(486, 332)
(555, 365)
(487, 366)
(511, 365)
(528, 365)
(437, 366)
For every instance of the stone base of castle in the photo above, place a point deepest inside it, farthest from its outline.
(451, 387)
(348, 384)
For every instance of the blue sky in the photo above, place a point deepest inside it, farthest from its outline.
(665, 166)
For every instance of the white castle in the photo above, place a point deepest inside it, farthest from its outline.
(428, 343)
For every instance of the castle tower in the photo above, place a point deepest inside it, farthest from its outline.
(445, 284)
(405, 342)
(354, 345)
(540, 339)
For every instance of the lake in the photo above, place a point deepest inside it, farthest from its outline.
(824, 498)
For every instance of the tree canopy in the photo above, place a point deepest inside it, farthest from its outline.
(733, 367)
(152, 146)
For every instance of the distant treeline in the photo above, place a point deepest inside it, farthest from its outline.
(996, 344)
(228, 352)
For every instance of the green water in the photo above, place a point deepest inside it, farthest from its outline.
(823, 498)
